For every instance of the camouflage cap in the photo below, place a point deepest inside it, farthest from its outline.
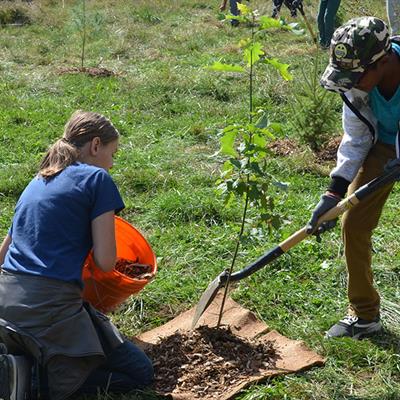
(355, 45)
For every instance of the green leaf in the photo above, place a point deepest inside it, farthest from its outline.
(227, 169)
(218, 66)
(267, 132)
(268, 22)
(282, 68)
(262, 122)
(235, 163)
(244, 42)
(253, 53)
(227, 143)
(244, 10)
(260, 141)
(276, 127)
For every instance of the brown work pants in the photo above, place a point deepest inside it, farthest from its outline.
(357, 226)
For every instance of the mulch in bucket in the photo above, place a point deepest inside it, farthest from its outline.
(210, 363)
(135, 267)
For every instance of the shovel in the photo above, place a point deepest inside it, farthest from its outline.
(350, 201)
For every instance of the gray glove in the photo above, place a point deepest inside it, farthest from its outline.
(327, 202)
(391, 164)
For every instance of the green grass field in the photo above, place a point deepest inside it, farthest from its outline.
(169, 110)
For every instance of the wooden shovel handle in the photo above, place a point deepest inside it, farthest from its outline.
(331, 214)
(387, 178)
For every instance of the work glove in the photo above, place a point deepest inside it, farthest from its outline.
(391, 164)
(326, 202)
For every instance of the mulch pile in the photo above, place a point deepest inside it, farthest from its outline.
(284, 147)
(287, 147)
(133, 269)
(206, 361)
(91, 71)
(329, 150)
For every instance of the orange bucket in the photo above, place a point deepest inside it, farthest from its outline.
(107, 290)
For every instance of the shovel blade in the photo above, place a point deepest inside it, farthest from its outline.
(207, 297)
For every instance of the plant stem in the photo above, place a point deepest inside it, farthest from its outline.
(84, 32)
(251, 74)
(246, 202)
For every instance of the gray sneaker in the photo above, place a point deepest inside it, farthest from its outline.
(15, 377)
(354, 327)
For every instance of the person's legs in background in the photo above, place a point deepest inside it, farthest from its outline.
(321, 22)
(234, 10)
(277, 4)
(332, 8)
(291, 7)
(393, 14)
(127, 368)
(326, 21)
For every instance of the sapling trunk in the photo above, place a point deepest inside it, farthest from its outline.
(83, 32)
(246, 201)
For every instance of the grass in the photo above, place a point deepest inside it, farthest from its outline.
(168, 108)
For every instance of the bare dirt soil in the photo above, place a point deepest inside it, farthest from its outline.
(205, 361)
(91, 71)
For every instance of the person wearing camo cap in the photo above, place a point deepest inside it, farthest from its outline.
(364, 68)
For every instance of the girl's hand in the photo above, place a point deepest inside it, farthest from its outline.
(222, 7)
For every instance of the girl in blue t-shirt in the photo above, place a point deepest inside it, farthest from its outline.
(65, 211)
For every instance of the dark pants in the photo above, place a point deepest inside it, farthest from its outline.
(277, 7)
(326, 20)
(127, 368)
(234, 10)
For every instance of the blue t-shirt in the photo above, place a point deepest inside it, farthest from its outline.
(51, 229)
(387, 112)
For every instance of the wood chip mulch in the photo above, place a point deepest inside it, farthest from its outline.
(284, 147)
(91, 71)
(205, 361)
(287, 147)
(133, 269)
(329, 151)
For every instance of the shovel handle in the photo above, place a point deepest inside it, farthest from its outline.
(333, 213)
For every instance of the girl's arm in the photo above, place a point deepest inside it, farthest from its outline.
(4, 248)
(104, 247)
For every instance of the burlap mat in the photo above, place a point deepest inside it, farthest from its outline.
(294, 355)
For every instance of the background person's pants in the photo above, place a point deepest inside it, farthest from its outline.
(233, 8)
(357, 226)
(277, 4)
(326, 20)
(393, 14)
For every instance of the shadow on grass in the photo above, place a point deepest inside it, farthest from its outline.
(387, 339)
(134, 395)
